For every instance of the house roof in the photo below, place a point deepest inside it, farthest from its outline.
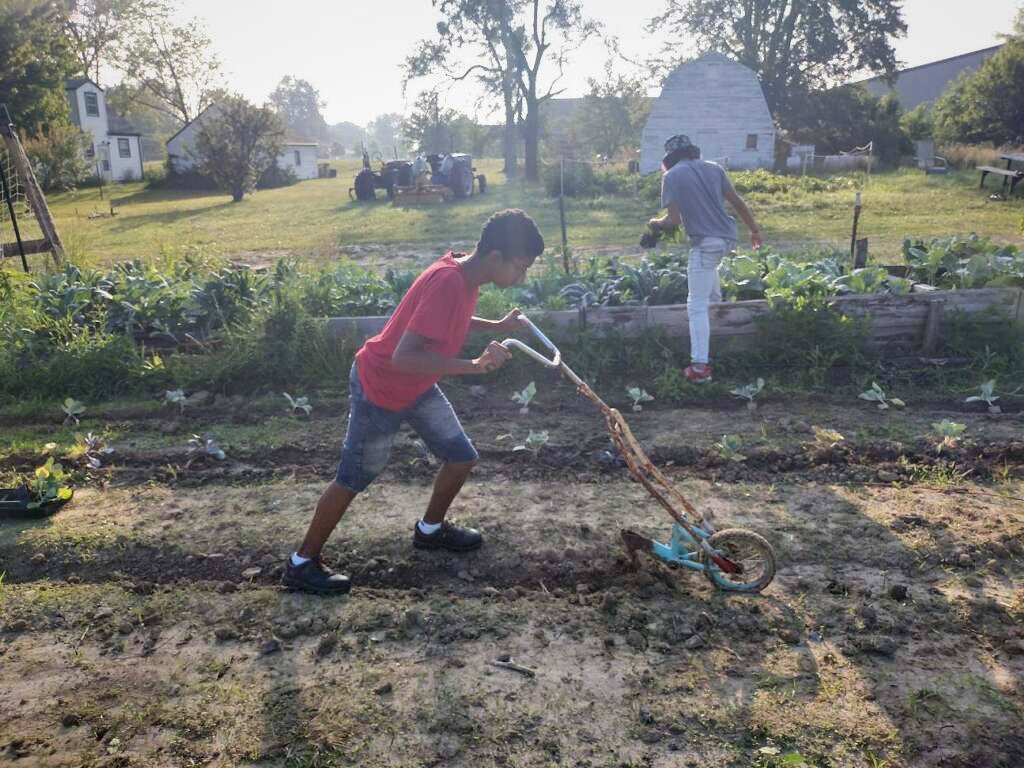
(74, 83)
(990, 49)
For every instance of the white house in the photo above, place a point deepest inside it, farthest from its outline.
(115, 151)
(300, 157)
(719, 104)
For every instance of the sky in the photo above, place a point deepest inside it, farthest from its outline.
(352, 50)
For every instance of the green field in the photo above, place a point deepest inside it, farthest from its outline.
(315, 220)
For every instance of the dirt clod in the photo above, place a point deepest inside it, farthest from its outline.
(898, 592)
(383, 689)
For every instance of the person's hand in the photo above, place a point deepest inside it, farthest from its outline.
(511, 322)
(755, 239)
(493, 358)
(654, 225)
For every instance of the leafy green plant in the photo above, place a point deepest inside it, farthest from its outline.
(729, 448)
(206, 444)
(986, 394)
(48, 483)
(827, 438)
(877, 395)
(638, 395)
(176, 397)
(91, 448)
(772, 757)
(949, 433)
(749, 392)
(72, 410)
(298, 404)
(525, 397)
(533, 442)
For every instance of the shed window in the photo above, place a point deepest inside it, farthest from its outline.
(92, 104)
(751, 141)
(124, 148)
(298, 157)
(90, 151)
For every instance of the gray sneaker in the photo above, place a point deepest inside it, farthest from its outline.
(313, 576)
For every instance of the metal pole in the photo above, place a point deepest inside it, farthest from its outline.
(561, 215)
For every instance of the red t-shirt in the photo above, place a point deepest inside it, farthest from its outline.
(438, 306)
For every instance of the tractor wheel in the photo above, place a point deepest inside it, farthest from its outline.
(482, 181)
(364, 187)
(461, 181)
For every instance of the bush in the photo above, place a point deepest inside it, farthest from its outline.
(988, 103)
(190, 180)
(57, 157)
(970, 156)
(275, 176)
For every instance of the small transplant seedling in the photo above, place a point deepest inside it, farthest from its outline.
(207, 445)
(729, 448)
(72, 410)
(534, 442)
(89, 447)
(176, 397)
(638, 395)
(827, 438)
(749, 392)
(877, 395)
(986, 394)
(525, 397)
(297, 404)
(949, 432)
(48, 484)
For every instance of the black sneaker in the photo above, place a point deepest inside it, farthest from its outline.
(454, 538)
(313, 576)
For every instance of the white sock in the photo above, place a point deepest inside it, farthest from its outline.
(297, 560)
(428, 528)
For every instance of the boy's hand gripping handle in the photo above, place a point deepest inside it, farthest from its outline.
(510, 344)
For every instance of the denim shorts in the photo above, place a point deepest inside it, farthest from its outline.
(372, 430)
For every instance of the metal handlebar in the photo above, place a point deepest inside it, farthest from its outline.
(554, 362)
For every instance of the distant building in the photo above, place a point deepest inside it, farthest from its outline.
(926, 82)
(115, 150)
(719, 104)
(300, 157)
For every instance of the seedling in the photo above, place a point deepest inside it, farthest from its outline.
(176, 397)
(827, 438)
(534, 442)
(525, 397)
(986, 394)
(207, 445)
(729, 448)
(72, 410)
(153, 364)
(89, 447)
(48, 484)
(877, 395)
(298, 404)
(638, 395)
(949, 431)
(748, 392)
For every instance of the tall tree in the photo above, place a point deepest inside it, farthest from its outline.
(795, 46)
(298, 104)
(386, 132)
(432, 126)
(34, 62)
(97, 28)
(238, 145)
(614, 112)
(171, 67)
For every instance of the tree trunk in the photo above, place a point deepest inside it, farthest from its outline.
(531, 135)
(509, 139)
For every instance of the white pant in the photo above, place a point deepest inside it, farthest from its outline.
(704, 287)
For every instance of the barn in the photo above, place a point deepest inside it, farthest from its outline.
(719, 104)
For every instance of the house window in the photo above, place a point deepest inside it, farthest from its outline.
(124, 149)
(106, 164)
(298, 157)
(92, 104)
(751, 141)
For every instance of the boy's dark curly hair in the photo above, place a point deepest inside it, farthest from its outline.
(513, 234)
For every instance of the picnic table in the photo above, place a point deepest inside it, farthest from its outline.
(1008, 174)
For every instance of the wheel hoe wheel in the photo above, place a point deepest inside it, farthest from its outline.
(748, 550)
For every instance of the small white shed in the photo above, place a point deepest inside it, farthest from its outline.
(299, 157)
(719, 104)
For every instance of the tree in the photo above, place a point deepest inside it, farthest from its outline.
(298, 104)
(155, 126)
(58, 157)
(97, 28)
(386, 132)
(614, 112)
(171, 67)
(431, 127)
(987, 104)
(34, 63)
(238, 144)
(795, 46)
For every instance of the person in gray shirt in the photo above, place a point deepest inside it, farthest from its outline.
(694, 191)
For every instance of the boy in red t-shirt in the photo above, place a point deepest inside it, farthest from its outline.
(394, 380)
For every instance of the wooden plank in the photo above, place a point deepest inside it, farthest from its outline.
(932, 327)
(8, 250)
(34, 193)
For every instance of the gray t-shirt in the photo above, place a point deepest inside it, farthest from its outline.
(698, 188)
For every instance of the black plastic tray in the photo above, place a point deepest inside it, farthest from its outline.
(14, 504)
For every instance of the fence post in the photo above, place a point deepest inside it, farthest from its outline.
(561, 215)
(853, 237)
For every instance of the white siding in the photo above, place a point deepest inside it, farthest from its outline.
(718, 104)
(306, 167)
(125, 168)
(181, 146)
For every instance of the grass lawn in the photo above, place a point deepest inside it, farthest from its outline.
(316, 220)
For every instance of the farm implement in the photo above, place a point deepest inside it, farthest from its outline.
(733, 559)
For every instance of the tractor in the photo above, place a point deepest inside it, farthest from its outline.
(450, 175)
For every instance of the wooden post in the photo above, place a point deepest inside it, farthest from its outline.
(860, 255)
(933, 327)
(561, 215)
(856, 218)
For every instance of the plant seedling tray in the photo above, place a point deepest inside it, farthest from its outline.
(14, 503)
